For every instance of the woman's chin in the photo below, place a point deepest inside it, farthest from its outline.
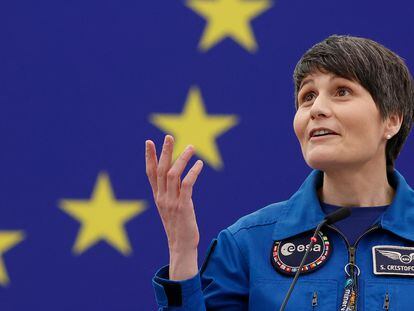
(322, 163)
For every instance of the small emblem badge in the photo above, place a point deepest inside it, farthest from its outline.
(287, 254)
(393, 260)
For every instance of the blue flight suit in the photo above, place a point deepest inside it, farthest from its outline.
(237, 273)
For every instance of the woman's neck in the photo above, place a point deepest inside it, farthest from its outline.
(360, 187)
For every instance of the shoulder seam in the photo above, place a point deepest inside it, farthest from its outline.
(253, 226)
(240, 251)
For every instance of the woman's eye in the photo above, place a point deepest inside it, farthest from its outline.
(308, 97)
(342, 91)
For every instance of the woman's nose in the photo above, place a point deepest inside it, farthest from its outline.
(321, 107)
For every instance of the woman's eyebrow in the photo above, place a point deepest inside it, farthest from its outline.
(310, 80)
(304, 82)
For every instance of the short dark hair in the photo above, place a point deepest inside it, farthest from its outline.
(379, 70)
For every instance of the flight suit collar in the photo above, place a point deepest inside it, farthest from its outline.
(303, 211)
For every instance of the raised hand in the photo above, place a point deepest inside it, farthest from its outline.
(173, 199)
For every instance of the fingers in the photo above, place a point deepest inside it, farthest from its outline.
(165, 163)
(165, 179)
(173, 175)
(189, 180)
(151, 164)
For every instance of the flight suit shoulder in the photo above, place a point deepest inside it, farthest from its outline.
(265, 216)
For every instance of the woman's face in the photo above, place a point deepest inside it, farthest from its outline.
(337, 123)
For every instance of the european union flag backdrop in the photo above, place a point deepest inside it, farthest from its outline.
(83, 84)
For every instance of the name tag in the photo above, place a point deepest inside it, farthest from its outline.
(393, 260)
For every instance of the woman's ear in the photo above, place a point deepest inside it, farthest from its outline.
(392, 125)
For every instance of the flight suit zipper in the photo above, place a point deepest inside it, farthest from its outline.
(386, 305)
(314, 300)
(350, 296)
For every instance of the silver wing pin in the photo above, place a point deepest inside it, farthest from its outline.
(393, 255)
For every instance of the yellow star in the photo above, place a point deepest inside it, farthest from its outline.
(102, 218)
(195, 127)
(229, 18)
(8, 239)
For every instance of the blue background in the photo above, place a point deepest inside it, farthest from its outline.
(79, 81)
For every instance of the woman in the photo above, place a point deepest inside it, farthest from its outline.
(355, 102)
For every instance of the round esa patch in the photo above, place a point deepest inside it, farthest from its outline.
(287, 254)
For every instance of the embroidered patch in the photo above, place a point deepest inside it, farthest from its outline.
(287, 254)
(393, 260)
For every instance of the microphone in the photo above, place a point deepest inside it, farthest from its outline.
(337, 215)
(333, 217)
